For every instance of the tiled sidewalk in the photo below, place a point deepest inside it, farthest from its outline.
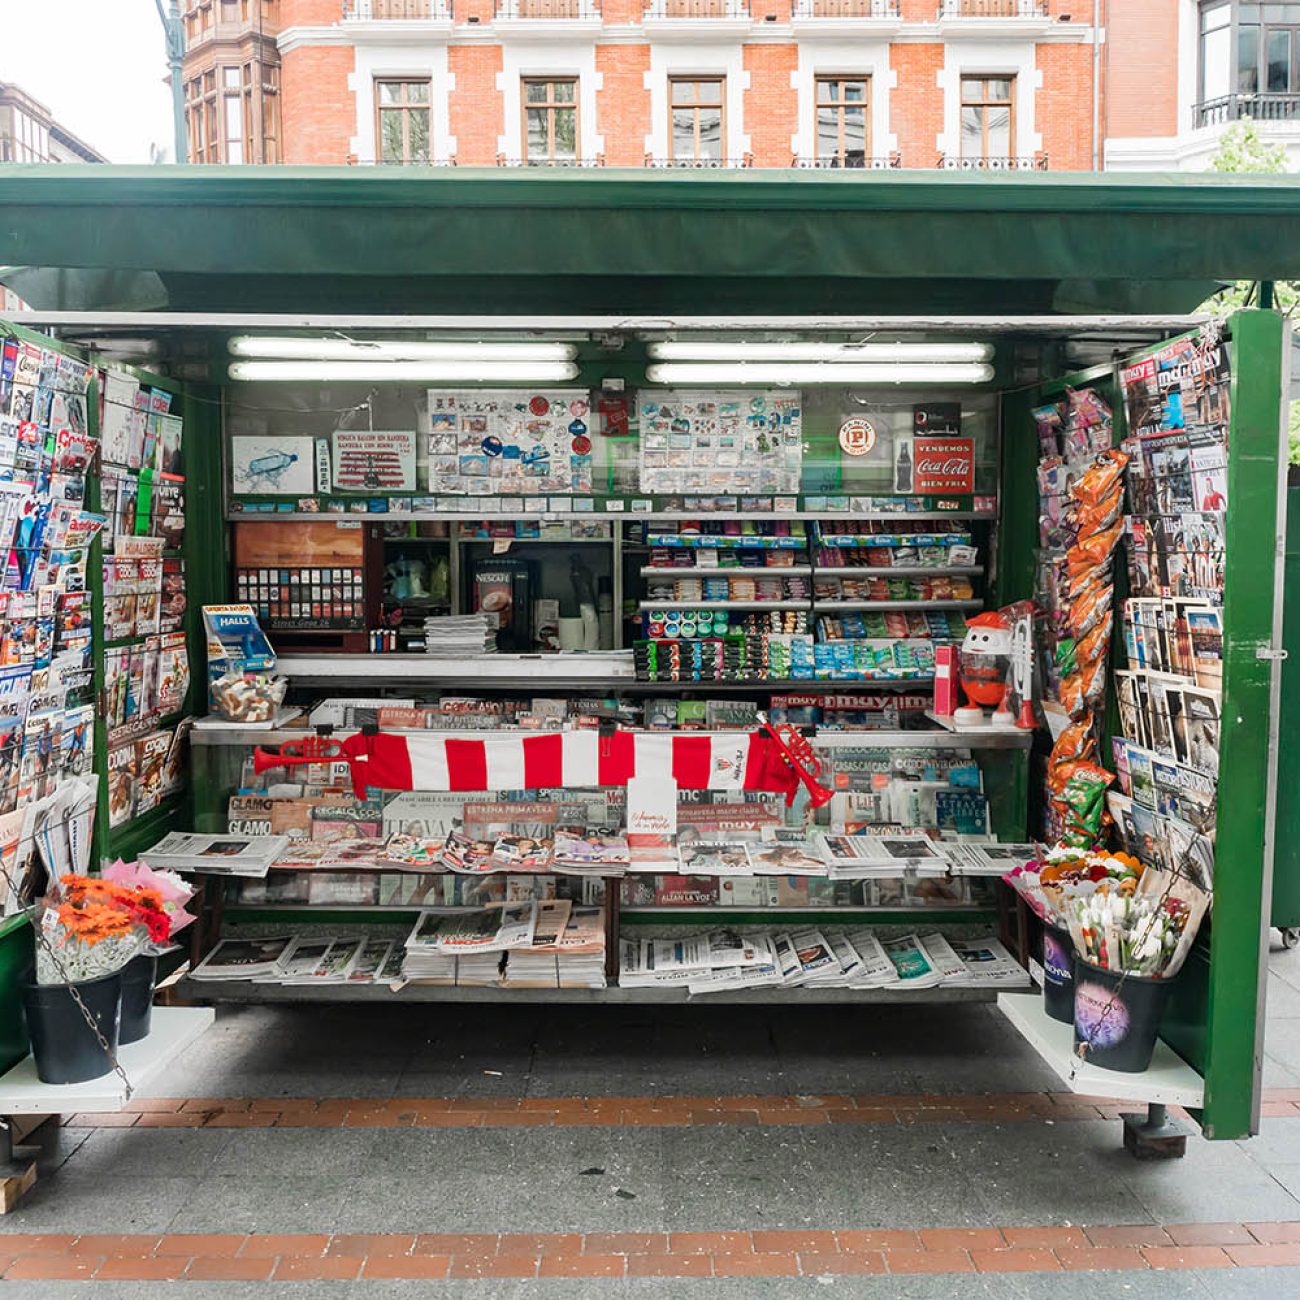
(740, 1154)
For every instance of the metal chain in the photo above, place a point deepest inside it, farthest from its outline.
(109, 1051)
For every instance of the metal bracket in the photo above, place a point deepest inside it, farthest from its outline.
(1267, 652)
(1154, 1136)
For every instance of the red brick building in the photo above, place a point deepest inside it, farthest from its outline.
(762, 83)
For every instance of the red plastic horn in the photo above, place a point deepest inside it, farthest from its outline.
(801, 756)
(298, 753)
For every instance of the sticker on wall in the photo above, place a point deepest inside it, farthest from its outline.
(857, 436)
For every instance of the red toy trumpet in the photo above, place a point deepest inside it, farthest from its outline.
(800, 756)
(298, 753)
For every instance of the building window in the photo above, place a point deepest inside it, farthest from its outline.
(843, 133)
(1216, 50)
(232, 114)
(551, 119)
(271, 115)
(699, 127)
(1268, 52)
(403, 128)
(987, 118)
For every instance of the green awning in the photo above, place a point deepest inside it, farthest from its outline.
(606, 241)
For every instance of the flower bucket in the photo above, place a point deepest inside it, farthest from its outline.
(1116, 1017)
(63, 1045)
(1058, 974)
(138, 977)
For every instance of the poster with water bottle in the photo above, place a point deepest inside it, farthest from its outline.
(272, 466)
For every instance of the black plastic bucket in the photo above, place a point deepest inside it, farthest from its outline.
(1117, 1017)
(138, 977)
(1058, 974)
(63, 1044)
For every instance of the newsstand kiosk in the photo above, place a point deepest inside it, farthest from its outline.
(539, 483)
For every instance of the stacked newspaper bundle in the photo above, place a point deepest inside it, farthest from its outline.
(460, 636)
(216, 855)
(567, 952)
(309, 959)
(437, 947)
(816, 958)
(862, 857)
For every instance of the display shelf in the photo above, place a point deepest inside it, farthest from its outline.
(646, 606)
(594, 668)
(964, 912)
(603, 515)
(988, 738)
(249, 991)
(896, 570)
(834, 604)
(1168, 1081)
(988, 729)
(740, 571)
(724, 542)
(174, 1029)
(283, 715)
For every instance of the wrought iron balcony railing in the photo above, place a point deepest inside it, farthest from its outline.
(1031, 163)
(696, 9)
(598, 161)
(993, 9)
(1272, 106)
(397, 10)
(846, 9)
(853, 162)
(544, 9)
(701, 164)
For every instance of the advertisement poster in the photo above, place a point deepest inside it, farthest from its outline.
(366, 460)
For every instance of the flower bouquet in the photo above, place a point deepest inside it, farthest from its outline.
(152, 900)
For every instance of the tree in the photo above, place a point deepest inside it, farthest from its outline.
(1243, 150)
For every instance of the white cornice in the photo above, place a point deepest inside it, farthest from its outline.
(678, 31)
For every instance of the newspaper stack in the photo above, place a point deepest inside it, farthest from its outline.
(216, 855)
(594, 852)
(989, 859)
(307, 959)
(242, 959)
(568, 950)
(439, 938)
(654, 962)
(862, 857)
(460, 636)
(817, 958)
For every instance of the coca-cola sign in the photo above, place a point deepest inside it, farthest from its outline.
(944, 464)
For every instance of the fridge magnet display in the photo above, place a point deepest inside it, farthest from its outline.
(366, 460)
(280, 465)
(723, 441)
(510, 442)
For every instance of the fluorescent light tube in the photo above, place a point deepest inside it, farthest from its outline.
(400, 372)
(361, 349)
(692, 350)
(811, 372)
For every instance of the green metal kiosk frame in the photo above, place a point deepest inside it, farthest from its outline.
(178, 257)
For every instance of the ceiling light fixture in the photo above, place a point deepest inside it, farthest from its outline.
(837, 353)
(404, 372)
(697, 374)
(361, 349)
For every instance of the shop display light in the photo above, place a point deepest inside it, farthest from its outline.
(695, 374)
(361, 349)
(468, 371)
(839, 353)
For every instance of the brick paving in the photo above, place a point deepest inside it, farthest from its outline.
(810, 1253)
(610, 1112)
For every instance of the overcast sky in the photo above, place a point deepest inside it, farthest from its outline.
(100, 66)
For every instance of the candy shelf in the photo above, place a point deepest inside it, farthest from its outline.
(744, 571)
(646, 606)
(896, 570)
(895, 604)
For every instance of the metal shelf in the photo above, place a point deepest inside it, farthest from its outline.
(735, 571)
(898, 570)
(866, 738)
(248, 991)
(1167, 1081)
(832, 605)
(606, 515)
(956, 912)
(646, 606)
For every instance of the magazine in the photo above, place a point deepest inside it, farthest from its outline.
(241, 959)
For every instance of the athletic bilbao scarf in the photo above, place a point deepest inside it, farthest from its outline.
(574, 759)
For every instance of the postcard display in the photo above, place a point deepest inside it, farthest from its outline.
(93, 664)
